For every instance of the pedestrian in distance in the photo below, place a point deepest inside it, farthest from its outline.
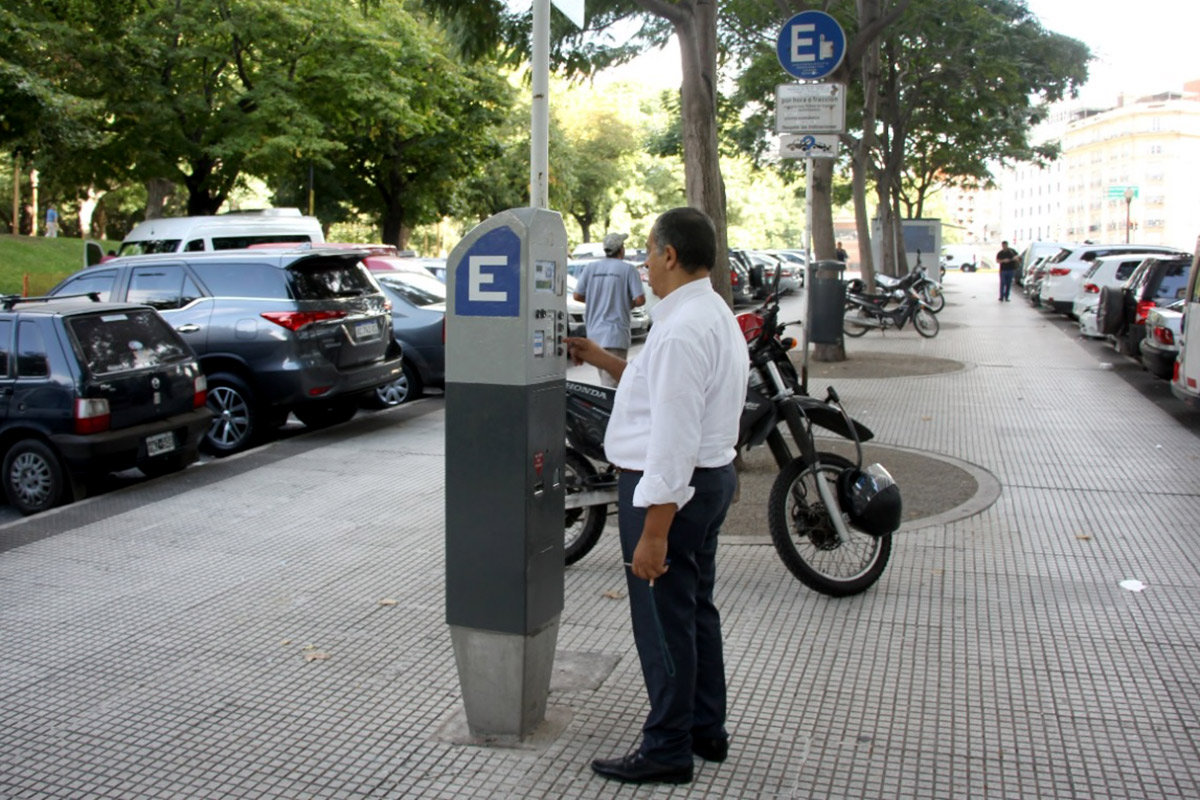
(673, 436)
(842, 255)
(51, 222)
(1007, 260)
(611, 287)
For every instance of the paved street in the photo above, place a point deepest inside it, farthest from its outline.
(272, 625)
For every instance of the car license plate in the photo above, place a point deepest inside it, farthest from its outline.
(366, 330)
(160, 443)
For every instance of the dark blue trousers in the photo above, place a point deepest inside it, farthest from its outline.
(678, 614)
(1006, 282)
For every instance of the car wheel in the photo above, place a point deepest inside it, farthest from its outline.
(235, 419)
(34, 478)
(407, 387)
(322, 415)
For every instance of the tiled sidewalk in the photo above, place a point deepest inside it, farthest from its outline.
(273, 626)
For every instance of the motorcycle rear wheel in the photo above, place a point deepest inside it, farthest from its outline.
(850, 324)
(805, 538)
(926, 323)
(583, 525)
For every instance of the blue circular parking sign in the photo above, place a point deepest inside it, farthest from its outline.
(811, 45)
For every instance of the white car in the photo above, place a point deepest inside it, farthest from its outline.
(1164, 328)
(1108, 271)
(1065, 271)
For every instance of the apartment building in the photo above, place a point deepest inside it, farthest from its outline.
(1150, 145)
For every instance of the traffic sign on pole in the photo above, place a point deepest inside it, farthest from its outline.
(811, 45)
(1118, 192)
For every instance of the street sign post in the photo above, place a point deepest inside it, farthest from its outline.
(1118, 192)
(811, 45)
(810, 108)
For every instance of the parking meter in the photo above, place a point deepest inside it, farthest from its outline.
(505, 413)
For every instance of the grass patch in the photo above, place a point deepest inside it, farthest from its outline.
(45, 261)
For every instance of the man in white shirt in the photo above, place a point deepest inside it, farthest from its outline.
(612, 288)
(673, 435)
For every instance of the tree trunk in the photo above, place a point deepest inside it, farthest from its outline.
(695, 23)
(87, 208)
(16, 190)
(158, 192)
(823, 240)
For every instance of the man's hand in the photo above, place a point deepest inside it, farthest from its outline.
(581, 350)
(650, 558)
(650, 555)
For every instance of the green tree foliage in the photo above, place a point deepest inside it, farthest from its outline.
(406, 123)
(963, 83)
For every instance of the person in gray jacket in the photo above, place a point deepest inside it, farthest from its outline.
(611, 288)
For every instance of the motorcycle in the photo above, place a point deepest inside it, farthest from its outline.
(866, 311)
(929, 290)
(831, 519)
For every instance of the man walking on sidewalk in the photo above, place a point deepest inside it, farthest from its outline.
(1007, 260)
(672, 436)
(611, 287)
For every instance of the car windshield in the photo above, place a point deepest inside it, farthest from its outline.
(148, 247)
(120, 341)
(327, 278)
(418, 288)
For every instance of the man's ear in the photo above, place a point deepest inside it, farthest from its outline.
(670, 257)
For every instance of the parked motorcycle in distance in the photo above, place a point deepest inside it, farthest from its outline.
(866, 312)
(830, 518)
(929, 290)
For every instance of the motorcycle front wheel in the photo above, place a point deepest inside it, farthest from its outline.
(583, 525)
(926, 323)
(932, 296)
(852, 322)
(806, 540)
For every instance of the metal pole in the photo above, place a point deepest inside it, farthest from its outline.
(539, 132)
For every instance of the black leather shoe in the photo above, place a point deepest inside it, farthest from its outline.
(710, 749)
(636, 768)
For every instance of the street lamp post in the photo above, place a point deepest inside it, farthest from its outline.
(1128, 202)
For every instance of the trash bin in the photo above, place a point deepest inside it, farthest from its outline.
(826, 301)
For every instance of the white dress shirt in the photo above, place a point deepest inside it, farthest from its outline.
(679, 401)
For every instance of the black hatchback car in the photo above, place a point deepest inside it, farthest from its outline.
(88, 388)
(277, 331)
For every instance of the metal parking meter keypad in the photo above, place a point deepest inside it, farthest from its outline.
(505, 411)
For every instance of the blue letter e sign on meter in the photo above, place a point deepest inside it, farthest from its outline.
(811, 45)
(488, 277)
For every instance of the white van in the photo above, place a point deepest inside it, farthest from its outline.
(963, 257)
(233, 231)
(1185, 381)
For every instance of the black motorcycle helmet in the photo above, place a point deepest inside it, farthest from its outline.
(871, 498)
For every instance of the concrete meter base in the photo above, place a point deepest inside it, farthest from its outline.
(505, 678)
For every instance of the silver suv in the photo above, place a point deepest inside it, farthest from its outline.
(305, 330)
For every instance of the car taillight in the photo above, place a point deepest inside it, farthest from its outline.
(1060, 271)
(733, 278)
(295, 320)
(199, 391)
(91, 415)
(1175, 372)
(1143, 310)
(443, 329)
(1164, 335)
(1091, 288)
